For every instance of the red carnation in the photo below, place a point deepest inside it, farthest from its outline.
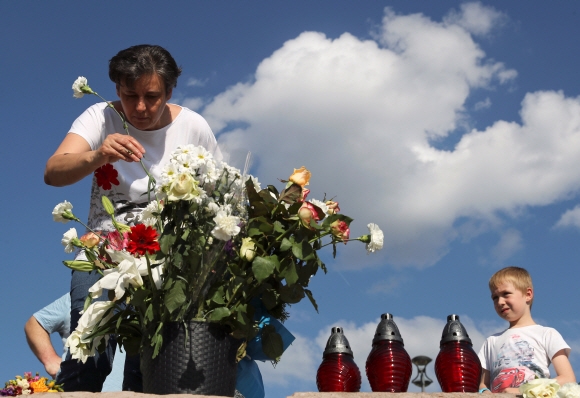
(142, 239)
(106, 175)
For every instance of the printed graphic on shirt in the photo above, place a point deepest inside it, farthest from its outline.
(514, 365)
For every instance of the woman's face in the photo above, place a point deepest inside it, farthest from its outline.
(144, 104)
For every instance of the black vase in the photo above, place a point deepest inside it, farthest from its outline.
(203, 363)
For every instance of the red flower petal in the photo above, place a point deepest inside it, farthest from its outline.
(142, 239)
(106, 175)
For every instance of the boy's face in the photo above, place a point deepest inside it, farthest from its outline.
(510, 303)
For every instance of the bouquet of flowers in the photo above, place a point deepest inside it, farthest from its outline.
(29, 385)
(549, 388)
(213, 246)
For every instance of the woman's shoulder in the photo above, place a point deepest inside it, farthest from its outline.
(188, 117)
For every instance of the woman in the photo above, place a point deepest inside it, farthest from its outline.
(144, 76)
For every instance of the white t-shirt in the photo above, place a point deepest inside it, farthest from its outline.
(517, 355)
(128, 189)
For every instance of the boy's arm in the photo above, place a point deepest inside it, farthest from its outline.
(40, 344)
(564, 371)
(484, 383)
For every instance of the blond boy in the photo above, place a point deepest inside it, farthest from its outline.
(523, 351)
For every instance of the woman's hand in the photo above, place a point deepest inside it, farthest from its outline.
(74, 159)
(120, 147)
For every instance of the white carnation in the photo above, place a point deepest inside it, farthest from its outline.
(60, 210)
(226, 226)
(68, 239)
(81, 87)
(377, 237)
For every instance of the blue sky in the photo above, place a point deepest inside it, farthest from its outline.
(455, 126)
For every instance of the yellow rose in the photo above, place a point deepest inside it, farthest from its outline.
(300, 176)
(540, 388)
(184, 187)
(248, 249)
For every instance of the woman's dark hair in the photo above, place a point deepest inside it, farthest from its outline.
(136, 61)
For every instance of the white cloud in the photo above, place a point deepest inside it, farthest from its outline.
(193, 103)
(421, 336)
(570, 218)
(510, 243)
(193, 82)
(486, 103)
(476, 18)
(362, 114)
(387, 286)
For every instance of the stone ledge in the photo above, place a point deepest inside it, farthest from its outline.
(392, 395)
(129, 394)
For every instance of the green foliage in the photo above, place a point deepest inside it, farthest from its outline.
(204, 281)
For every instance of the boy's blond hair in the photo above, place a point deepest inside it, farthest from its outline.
(517, 276)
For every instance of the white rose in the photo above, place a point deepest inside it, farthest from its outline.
(248, 249)
(68, 240)
(183, 187)
(569, 390)
(540, 388)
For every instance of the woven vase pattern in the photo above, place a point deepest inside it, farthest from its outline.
(204, 363)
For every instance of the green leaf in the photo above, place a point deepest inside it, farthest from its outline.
(291, 194)
(266, 228)
(279, 227)
(175, 297)
(270, 299)
(219, 313)
(311, 298)
(108, 206)
(149, 313)
(291, 275)
(78, 265)
(272, 343)
(303, 250)
(305, 272)
(291, 294)
(263, 267)
(166, 241)
(217, 297)
(286, 244)
(254, 232)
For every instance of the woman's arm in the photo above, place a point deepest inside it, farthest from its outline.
(563, 368)
(74, 159)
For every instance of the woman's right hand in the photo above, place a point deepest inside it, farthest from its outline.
(120, 147)
(73, 160)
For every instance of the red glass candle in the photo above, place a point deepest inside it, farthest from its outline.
(388, 365)
(338, 372)
(457, 366)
